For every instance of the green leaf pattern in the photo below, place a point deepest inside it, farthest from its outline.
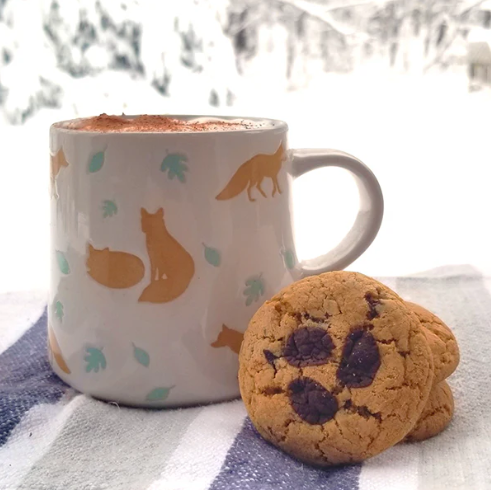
(109, 208)
(212, 256)
(141, 356)
(158, 394)
(289, 259)
(174, 165)
(254, 289)
(59, 310)
(96, 162)
(95, 360)
(62, 262)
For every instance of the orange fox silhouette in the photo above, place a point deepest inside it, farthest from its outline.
(230, 338)
(117, 270)
(54, 350)
(172, 268)
(252, 173)
(58, 161)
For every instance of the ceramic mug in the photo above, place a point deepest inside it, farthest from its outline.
(163, 247)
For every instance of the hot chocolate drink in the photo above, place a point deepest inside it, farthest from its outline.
(158, 124)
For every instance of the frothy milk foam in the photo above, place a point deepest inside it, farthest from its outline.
(151, 123)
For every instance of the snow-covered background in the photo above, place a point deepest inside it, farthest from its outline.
(385, 80)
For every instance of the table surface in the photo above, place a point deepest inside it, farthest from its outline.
(54, 438)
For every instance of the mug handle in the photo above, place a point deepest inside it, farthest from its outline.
(368, 220)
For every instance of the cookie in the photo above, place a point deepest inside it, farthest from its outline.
(441, 340)
(335, 369)
(436, 415)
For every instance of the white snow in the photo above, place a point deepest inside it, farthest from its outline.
(425, 138)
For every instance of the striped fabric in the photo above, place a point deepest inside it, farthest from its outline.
(52, 437)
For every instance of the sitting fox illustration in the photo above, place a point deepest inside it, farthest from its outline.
(54, 350)
(252, 173)
(228, 337)
(172, 268)
(58, 161)
(117, 270)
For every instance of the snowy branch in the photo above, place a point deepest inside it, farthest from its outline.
(470, 7)
(458, 18)
(250, 22)
(321, 13)
(355, 3)
(322, 16)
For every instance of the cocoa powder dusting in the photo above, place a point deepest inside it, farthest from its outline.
(150, 123)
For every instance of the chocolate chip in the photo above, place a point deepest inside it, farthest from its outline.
(311, 401)
(316, 319)
(308, 346)
(270, 357)
(337, 390)
(372, 303)
(360, 360)
(302, 317)
(272, 390)
(362, 411)
(366, 413)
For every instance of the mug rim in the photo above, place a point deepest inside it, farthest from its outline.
(273, 125)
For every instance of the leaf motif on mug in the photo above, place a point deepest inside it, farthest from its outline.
(109, 208)
(254, 289)
(212, 256)
(288, 258)
(174, 165)
(96, 162)
(62, 262)
(58, 307)
(158, 394)
(95, 360)
(141, 356)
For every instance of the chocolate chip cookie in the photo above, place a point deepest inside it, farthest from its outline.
(441, 340)
(335, 369)
(436, 415)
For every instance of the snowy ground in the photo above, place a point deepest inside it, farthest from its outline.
(426, 139)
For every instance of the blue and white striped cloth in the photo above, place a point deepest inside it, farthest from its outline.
(52, 437)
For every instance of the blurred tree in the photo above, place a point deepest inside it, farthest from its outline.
(169, 44)
(199, 50)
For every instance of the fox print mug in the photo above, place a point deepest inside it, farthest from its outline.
(164, 243)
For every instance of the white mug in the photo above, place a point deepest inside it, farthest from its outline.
(164, 244)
